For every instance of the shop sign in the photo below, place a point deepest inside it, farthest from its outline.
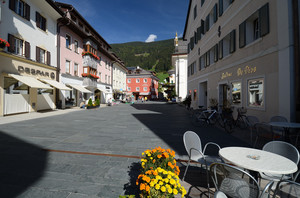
(246, 70)
(226, 75)
(27, 70)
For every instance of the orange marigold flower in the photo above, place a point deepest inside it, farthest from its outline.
(159, 156)
(147, 188)
(154, 161)
(142, 187)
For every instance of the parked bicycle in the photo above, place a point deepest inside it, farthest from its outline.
(230, 123)
(202, 117)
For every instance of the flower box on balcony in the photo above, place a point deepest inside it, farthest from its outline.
(90, 54)
(90, 75)
(3, 43)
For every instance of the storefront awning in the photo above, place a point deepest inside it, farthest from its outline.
(56, 84)
(145, 94)
(79, 88)
(30, 81)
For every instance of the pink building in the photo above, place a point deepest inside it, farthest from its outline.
(85, 60)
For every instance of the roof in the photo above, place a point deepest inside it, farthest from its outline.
(187, 19)
(138, 71)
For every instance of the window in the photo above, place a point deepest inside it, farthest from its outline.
(145, 88)
(85, 70)
(76, 46)
(137, 89)
(145, 80)
(68, 42)
(254, 27)
(236, 93)
(227, 45)
(40, 21)
(128, 88)
(202, 2)
(105, 78)
(223, 5)
(42, 56)
(129, 80)
(67, 66)
(73, 18)
(21, 8)
(137, 80)
(201, 62)
(18, 47)
(75, 69)
(195, 11)
(109, 79)
(256, 92)
(80, 25)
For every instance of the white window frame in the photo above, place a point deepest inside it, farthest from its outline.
(262, 107)
(128, 80)
(67, 61)
(76, 47)
(129, 88)
(145, 80)
(70, 42)
(76, 64)
(145, 88)
(137, 80)
(137, 88)
(19, 47)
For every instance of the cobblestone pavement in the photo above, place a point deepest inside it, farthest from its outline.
(94, 153)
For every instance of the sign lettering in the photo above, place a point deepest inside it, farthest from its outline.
(27, 70)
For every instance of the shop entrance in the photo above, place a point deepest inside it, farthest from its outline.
(223, 95)
(203, 94)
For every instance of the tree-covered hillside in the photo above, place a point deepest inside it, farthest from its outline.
(154, 56)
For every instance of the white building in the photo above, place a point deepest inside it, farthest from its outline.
(119, 79)
(179, 62)
(245, 54)
(30, 27)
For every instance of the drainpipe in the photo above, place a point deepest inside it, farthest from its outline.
(295, 71)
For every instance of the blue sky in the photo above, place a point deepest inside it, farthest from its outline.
(121, 21)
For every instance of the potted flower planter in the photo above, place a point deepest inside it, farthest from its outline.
(92, 107)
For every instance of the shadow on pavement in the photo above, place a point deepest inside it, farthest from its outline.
(22, 164)
(131, 188)
(169, 122)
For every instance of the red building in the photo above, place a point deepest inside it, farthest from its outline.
(141, 83)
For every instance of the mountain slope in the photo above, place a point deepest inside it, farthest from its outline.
(154, 56)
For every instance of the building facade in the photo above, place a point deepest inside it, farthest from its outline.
(241, 53)
(142, 84)
(85, 60)
(119, 79)
(179, 63)
(28, 67)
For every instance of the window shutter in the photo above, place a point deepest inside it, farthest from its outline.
(221, 49)
(11, 40)
(231, 1)
(44, 23)
(195, 37)
(220, 7)
(192, 43)
(232, 41)
(189, 48)
(215, 13)
(207, 23)
(27, 50)
(27, 12)
(37, 18)
(12, 5)
(48, 58)
(199, 33)
(202, 2)
(242, 34)
(38, 54)
(202, 27)
(216, 53)
(263, 20)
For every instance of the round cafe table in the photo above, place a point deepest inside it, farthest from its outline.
(258, 160)
(286, 126)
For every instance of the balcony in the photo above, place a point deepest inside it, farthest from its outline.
(89, 82)
(90, 60)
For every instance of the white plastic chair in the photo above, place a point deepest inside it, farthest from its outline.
(193, 146)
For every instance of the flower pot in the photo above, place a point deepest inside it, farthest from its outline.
(92, 107)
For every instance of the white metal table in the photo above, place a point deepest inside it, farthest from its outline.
(286, 126)
(258, 160)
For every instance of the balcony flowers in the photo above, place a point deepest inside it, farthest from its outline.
(159, 175)
(91, 54)
(3, 43)
(90, 75)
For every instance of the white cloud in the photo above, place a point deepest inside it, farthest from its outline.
(151, 38)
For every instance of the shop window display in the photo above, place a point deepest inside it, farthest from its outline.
(256, 92)
(236, 93)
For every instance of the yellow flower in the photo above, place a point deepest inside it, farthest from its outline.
(152, 184)
(160, 183)
(157, 186)
(149, 154)
(165, 172)
(143, 153)
(166, 180)
(163, 189)
(169, 176)
(175, 191)
(172, 181)
(170, 190)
